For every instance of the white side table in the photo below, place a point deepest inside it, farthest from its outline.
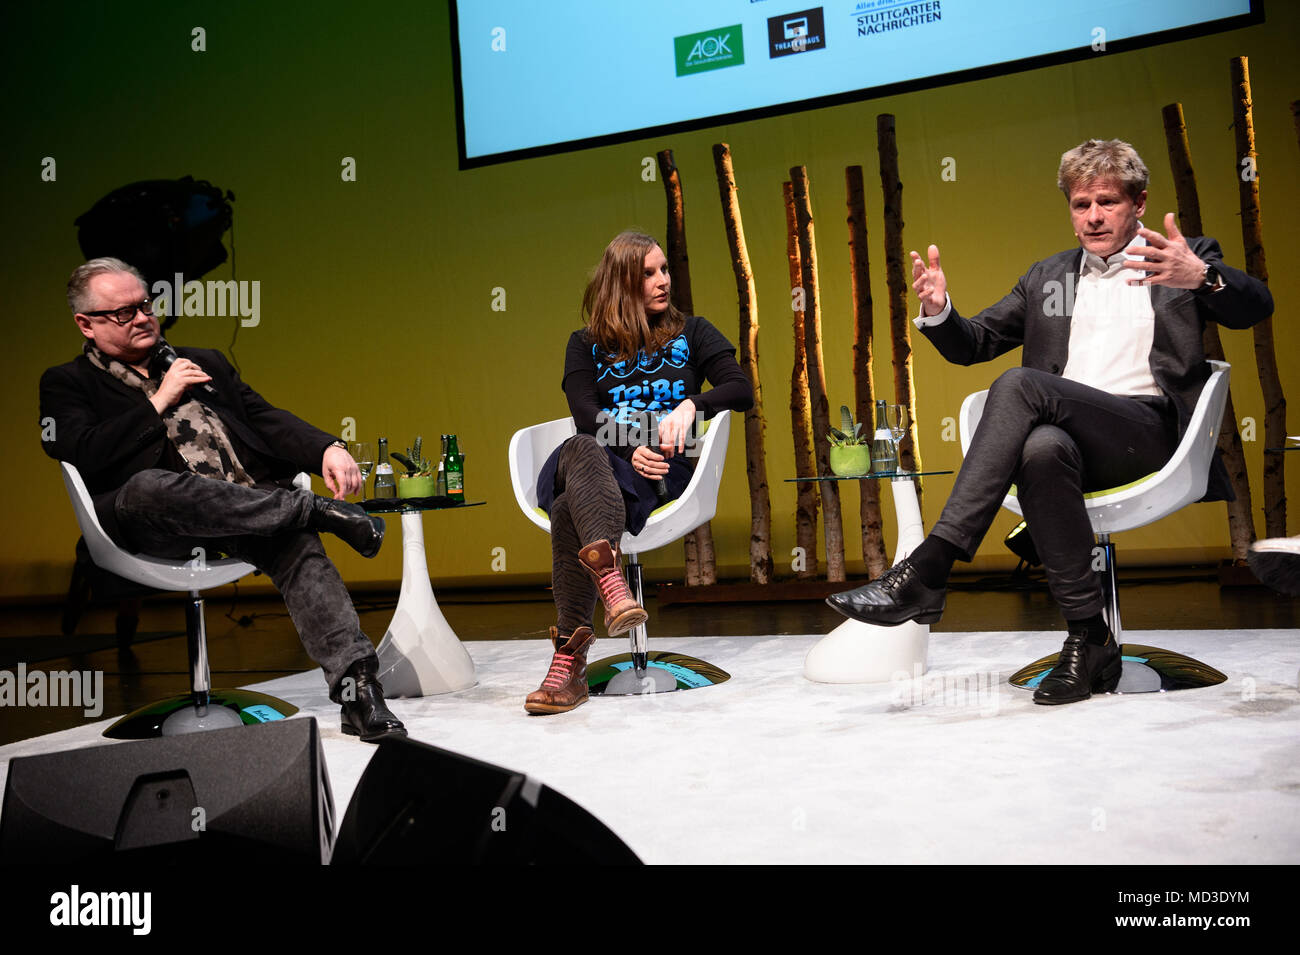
(420, 654)
(856, 652)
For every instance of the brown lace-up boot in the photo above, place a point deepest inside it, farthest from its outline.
(565, 685)
(622, 612)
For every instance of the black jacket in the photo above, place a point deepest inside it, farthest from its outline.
(110, 432)
(1030, 316)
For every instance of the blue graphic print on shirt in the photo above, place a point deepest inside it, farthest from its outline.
(640, 392)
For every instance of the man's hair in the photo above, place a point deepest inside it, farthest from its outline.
(1099, 159)
(614, 302)
(79, 283)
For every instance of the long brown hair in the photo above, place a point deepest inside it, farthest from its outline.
(614, 302)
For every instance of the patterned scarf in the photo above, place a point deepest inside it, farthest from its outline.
(197, 433)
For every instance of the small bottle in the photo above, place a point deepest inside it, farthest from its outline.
(441, 489)
(883, 457)
(385, 485)
(455, 470)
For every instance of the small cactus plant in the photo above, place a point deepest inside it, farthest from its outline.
(848, 434)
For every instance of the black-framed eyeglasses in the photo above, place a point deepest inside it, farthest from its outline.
(126, 314)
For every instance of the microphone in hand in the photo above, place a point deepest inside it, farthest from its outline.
(661, 489)
(164, 356)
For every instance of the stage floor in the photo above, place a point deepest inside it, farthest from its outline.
(954, 767)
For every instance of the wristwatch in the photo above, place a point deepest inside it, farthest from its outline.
(341, 445)
(1213, 281)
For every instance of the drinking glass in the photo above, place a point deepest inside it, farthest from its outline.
(364, 454)
(896, 420)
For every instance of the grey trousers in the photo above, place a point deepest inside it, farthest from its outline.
(1055, 439)
(166, 514)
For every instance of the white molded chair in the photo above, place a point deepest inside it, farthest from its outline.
(1180, 482)
(529, 449)
(210, 709)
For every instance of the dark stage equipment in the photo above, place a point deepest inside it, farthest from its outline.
(420, 805)
(251, 794)
(164, 227)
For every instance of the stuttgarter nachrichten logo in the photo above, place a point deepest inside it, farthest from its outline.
(796, 32)
(710, 50)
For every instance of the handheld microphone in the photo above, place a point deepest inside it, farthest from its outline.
(164, 356)
(661, 489)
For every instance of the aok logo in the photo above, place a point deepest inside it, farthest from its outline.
(710, 50)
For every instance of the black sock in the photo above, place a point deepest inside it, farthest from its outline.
(933, 560)
(1093, 629)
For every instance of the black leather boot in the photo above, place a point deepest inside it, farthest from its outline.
(362, 532)
(365, 713)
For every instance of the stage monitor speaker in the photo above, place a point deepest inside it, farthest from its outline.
(255, 793)
(420, 805)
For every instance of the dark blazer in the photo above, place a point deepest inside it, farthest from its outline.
(1031, 315)
(109, 431)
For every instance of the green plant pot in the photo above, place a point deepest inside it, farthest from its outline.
(852, 460)
(419, 486)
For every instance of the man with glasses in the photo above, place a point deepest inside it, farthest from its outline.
(177, 453)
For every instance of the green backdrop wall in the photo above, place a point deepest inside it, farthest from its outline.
(377, 294)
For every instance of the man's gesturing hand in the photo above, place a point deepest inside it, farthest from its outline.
(930, 284)
(342, 476)
(179, 377)
(1166, 261)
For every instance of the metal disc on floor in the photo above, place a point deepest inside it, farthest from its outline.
(176, 715)
(665, 671)
(1146, 670)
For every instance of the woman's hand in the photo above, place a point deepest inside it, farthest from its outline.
(675, 430)
(649, 465)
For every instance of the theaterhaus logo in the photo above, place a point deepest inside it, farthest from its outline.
(796, 32)
(711, 50)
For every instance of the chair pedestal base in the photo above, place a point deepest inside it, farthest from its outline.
(664, 672)
(180, 714)
(1146, 670)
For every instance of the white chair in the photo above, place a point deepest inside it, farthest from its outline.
(529, 449)
(1180, 482)
(203, 707)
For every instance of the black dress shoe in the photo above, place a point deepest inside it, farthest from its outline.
(363, 532)
(1083, 669)
(365, 713)
(895, 597)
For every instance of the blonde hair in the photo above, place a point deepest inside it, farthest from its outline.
(79, 282)
(1103, 159)
(614, 303)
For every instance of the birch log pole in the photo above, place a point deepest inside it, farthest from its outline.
(1241, 523)
(698, 544)
(817, 373)
(1265, 356)
(896, 280)
(808, 498)
(873, 544)
(760, 506)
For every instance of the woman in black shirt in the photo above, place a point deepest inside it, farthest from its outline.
(633, 379)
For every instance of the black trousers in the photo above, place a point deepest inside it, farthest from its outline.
(168, 515)
(1055, 439)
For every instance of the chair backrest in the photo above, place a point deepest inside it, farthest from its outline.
(1180, 482)
(530, 447)
(192, 576)
(698, 503)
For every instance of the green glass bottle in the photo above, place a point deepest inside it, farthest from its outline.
(455, 470)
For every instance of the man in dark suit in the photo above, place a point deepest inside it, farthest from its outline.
(1111, 370)
(185, 455)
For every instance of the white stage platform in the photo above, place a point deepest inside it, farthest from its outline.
(953, 767)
